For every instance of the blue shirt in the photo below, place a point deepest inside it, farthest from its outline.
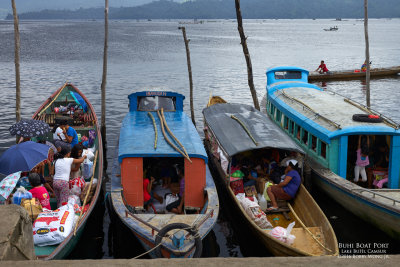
(292, 187)
(71, 132)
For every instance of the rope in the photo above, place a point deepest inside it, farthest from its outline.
(170, 132)
(87, 192)
(245, 128)
(54, 99)
(305, 228)
(168, 141)
(155, 129)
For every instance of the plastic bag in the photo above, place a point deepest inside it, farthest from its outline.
(268, 184)
(283, 234)
(262, 202)
(52, 227)
(20, 194)
(89, 154)
(87, 170)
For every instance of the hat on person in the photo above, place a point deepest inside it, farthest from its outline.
(293, 161)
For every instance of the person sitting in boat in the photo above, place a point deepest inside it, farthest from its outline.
(250, 174)
(178, 193)
(70, 134)
(148, 194)
(39, 191)
(322, 68)
(362, 160)
(286, 189)
(364, 66)
(59, 138)
(293, 155)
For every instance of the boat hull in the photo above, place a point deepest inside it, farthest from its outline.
(351, 75)
(385, 218)
(271, 244)
(63, 250)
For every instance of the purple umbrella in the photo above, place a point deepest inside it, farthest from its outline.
(23, 157)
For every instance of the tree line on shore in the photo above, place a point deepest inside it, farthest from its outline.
(225, 9)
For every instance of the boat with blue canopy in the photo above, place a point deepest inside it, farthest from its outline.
(159, 143)
(331, 128)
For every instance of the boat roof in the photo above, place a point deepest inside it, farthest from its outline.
(232, 136)
(137, 136)
(329, 113)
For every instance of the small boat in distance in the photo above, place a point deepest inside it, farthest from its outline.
(159, 142)
(236, 132)
(328, 126)
(334, 28)
(353, 74)
(82, 120)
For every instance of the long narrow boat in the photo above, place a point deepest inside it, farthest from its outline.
(353, 74)
(235, 130)
(324, 125)
(146, 145)
(49, 112)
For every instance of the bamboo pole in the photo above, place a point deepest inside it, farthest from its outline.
(103, 87)
(16, 62)
(87, 192)
(190, 73)
(246, 52)
(367, 77)
(305, 228)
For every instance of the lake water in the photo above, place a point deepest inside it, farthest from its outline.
(151, 55)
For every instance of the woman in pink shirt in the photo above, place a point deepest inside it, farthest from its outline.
(38, 191)
(362, 160)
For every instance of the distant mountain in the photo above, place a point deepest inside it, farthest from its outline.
(225, 9)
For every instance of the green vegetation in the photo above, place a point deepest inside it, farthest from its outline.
(225, 9)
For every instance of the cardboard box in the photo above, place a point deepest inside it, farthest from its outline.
(32, 206)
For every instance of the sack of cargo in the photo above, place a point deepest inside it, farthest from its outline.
(52, 227)
(254, 211)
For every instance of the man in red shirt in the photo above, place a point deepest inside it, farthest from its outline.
(322, 68)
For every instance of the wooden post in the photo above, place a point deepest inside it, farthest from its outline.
(190, 73)
(246, 55)
(367, 78)
(103, 87)
(16, 61)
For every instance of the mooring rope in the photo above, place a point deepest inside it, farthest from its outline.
(168, 141)
(155, 129)
(245, 128)
(170, 132)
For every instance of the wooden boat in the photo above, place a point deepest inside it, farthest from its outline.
(225, 139)
(335, 28)
(86, 121)
(352, 74)
(324, 122)
(144, 143)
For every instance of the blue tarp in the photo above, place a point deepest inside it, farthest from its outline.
(137, 136)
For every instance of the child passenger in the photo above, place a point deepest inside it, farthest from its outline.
(38, 191)
(362, 160)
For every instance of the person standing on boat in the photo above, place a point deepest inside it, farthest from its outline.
(362, 160)
(322, 68)
(286, 189)
(62, 170)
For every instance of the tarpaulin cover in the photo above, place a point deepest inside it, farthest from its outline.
(137, 136)
(233, 137)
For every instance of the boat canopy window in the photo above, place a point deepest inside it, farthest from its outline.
(283, 75)
(153, 103)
